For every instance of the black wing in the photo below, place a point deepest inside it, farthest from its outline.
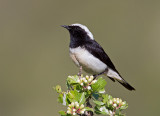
(96, 50)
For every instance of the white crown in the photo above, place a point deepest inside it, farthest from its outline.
(84, 28)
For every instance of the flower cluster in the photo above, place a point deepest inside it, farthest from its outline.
(74, 108)
(116, 103)
(87, 81)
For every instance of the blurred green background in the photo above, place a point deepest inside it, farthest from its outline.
(34, 51)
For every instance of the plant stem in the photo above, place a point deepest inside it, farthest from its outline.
(88, 113)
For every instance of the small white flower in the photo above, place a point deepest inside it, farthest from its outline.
(89, 87)
(69, 76)
(114, 105)
(68, 108)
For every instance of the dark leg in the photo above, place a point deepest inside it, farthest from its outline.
(99, 74)
(80, 71)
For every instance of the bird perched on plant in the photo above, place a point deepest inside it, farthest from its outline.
(87, 54)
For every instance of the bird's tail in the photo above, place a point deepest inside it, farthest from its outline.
(126, 85)
(114, 75)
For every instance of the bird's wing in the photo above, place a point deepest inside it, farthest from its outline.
(96, 50)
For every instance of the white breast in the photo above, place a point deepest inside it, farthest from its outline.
(88, 62)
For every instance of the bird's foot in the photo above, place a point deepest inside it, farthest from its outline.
(98, 75)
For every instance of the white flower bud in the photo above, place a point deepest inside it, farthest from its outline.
(123, 103)
(81, 84)
(77, 106)
(89, 80)
(82, 106)
(110, 111)
(114, 100)
(74, 110)
(83, 79)
(69, 105)
(110, 102)
(87, 77)
(74, 113)
(72, 104)
(91, 77)
(68, 112)
(114, 105)
(120, 101)
(94, 81)
(117, 101)
(78, 81)
(82, 111)
(89, 87)
(68, 108)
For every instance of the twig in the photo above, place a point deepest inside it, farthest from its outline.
(88, 113)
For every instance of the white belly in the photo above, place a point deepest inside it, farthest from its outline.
(89, 63)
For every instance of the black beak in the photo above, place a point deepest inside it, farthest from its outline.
(65, 26)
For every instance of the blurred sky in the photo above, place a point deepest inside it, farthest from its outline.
(34, 53)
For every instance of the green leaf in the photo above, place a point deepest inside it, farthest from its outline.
(82, 98)
(101, 91)
(101, 110)
(88, 109)
(95, 95)
(104, 110)
(62, 113)
(99, 103)
(99, 85)
(74, 96)
(72, 79)
(123, 107)
(60, 98)
(105, 98)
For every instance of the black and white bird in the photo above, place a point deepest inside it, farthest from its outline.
(88, 54)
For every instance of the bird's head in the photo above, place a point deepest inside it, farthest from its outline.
(79, 31)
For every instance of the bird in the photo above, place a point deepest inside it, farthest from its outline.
(88, 55)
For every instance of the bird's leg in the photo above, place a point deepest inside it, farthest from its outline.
(80, 71)
(98, 74)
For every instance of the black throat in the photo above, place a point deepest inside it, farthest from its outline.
(77, 40)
